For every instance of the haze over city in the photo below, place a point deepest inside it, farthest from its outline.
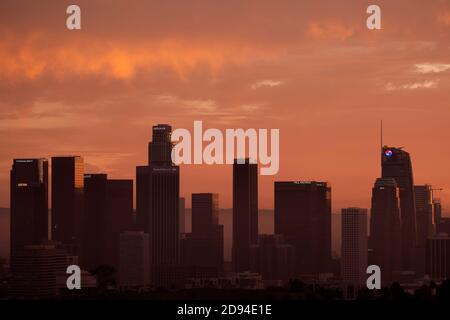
(311, 69)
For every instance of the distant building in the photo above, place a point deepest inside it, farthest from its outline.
(245, 212)
(119, 218)
(67, 201)
(108, 212)
(424, 213)
(273, 258)
(385, 227)
(205, 245)
(158, 203)
(303, 217)
(425, 222)
(182, 212)
(35, 269)
(354, 246)
(94, 220)
(29, 203)
(443, 226)
(396, 164)
(438, 257)
(437, 209)
(134, 259)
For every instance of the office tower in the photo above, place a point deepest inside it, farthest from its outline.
(438, 257)
(396, 164)
(182, 212)
(245, 212)
(134, 259)
(119, 218)
(437, 209)
(29, 203)
(67, 201)
(354, 246)
(385, 227)
(424, 213)
(273, 258)
(205, 212)
(160, 148)
(108, 212)
(204, 246)
(443, 226)
(425, 225)
(35, 269)
(157, 202)
(94, 217)
(303, 216)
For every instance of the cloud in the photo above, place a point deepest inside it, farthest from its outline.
(432, 67)
(428, 84)
(193, 106)
(266, 83)
(329, 31)
(444, 18)
(30, 58)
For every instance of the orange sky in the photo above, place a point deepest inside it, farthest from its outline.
(309, 68)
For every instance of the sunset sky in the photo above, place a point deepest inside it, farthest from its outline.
(310, 68)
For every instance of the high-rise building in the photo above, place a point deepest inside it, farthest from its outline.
(160, 148)
(245, 212)
(67, 201)
(396, 164)
(182, 215)
(134, 259)
(437, 209)
(157, 202)
(424, 213)
(425, 222)
(108, 212)
(273, 258)
(119, 218)
(204, 246)
(385, 227)
(438, 257)
(303, 216)
(354, 246)
(94, 219)
(35, 269)
(205, 212)
(29, 203)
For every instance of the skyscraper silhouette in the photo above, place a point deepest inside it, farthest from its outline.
(396, 164)
(29, 203)
(157, 203)
(67, 201)
(303, 216)
(94, 219)
(354, 246)
(204, 246)
(245, 212)
(108, 212)
(425, 225)
(438, 257)
(273, 259)
(385, 227)
(119, 218)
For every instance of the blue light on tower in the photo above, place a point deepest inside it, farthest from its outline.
(388, 153)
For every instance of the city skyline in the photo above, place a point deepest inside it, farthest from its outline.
(163, 256)
(309, 68)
